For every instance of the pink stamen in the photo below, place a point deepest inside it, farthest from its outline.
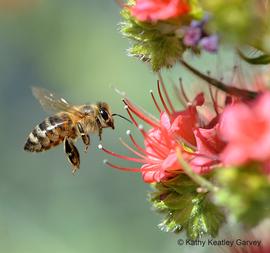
(183, 90)
(151, 141)
(154, 145)
(140, 148)
(132, 150)
(166, 93)
(125, 168)
(136, 160)
(131, 117)
(177, 92)
(122, 168)
(135, 143)
(155, 101)
(166, 135)
(162, 99)
(139, 114)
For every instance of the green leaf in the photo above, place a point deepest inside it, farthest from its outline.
(245, 192)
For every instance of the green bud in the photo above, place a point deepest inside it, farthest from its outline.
(186, 209)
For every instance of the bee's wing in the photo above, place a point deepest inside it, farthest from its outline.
(53, 103)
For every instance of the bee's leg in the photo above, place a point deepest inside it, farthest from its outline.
(99, 129)
(72, 154)
(85, 137)
(100, 133)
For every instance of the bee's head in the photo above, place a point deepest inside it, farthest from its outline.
(105, 115)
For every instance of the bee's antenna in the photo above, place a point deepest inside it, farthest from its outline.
(121, 116)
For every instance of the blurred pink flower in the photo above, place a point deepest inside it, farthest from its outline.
(155, 10)
(246, 129)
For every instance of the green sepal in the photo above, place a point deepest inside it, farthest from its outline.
(160, 52)
(245, 192)
(186, 209)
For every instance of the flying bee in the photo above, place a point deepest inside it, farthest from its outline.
(67, 124)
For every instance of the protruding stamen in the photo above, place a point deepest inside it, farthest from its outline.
(136, 160)
(128, 132)
(165, 92)
(140, 148)
(178, 94)
(183, 90)
(121, 168)
(139, 114)
(134, 151)
(155, 101)
(158, 147)
(100, 146)
(162, 99)
(131, 117)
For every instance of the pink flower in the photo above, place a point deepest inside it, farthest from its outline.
(210, 145)
(183, 130)
(161, 152)
(246, 128)
(155, 10)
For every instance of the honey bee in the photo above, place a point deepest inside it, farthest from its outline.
(67, 124)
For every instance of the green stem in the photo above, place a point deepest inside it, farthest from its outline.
(195, 177)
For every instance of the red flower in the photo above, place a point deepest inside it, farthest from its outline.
(184, 130)
(246, 128)
(155, 10)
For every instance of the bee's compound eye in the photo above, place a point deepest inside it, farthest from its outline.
(104, 114)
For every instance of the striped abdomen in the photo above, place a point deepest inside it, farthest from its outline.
(50, 133)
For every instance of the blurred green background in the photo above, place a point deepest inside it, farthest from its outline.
(75, 49)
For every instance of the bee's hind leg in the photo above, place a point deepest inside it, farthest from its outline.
(72, 154)
(85, 137)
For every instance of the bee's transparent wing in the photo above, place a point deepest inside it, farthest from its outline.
(51, 102)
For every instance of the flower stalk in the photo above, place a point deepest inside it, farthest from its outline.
(205, 184)
(233, 91)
